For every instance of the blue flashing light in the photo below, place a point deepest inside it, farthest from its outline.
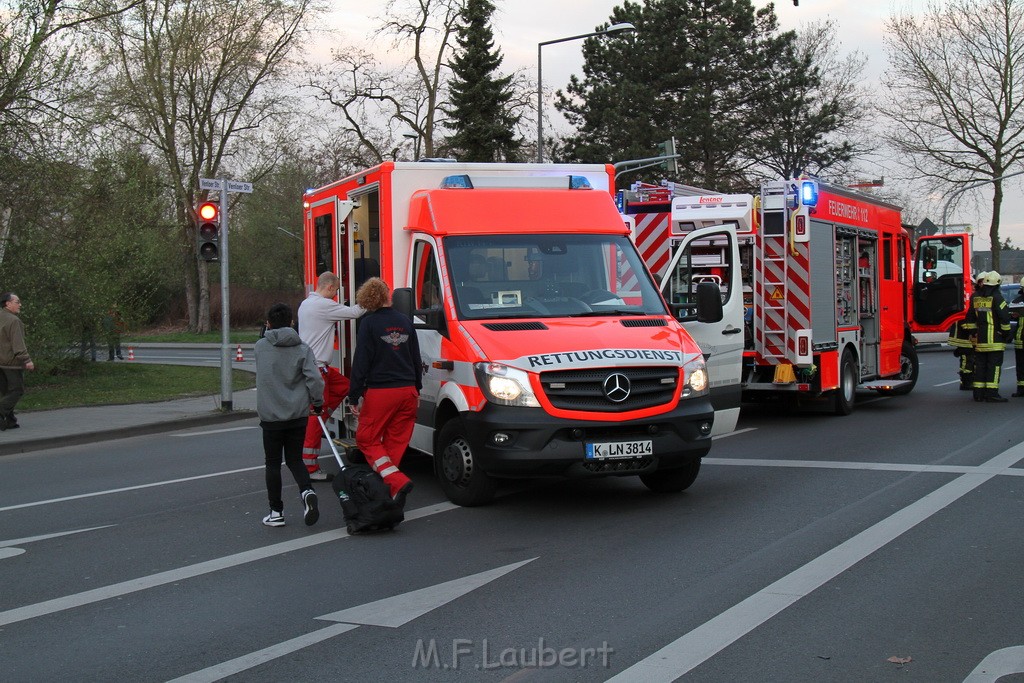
(457, 182)
(809, 193)
(578, 182)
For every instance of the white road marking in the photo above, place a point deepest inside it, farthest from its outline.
(1009, 660)
(732, 433)
(877, 466)
(128, 488)
(691, 650)
(33, 539)
(216, 431)
(67, 602)
(390, 612)
(254, 659)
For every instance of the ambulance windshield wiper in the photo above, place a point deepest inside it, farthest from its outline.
(609, 311)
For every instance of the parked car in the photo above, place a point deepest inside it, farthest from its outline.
(1011, 293)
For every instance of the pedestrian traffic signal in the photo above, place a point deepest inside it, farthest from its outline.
(208, 231)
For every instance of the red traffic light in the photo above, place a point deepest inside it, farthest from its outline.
(208, 211)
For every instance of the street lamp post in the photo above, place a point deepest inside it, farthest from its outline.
(614, 28)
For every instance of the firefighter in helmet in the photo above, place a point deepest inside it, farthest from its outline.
(963, 346)
(988, 321)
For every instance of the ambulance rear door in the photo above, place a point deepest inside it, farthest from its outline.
(712, 255)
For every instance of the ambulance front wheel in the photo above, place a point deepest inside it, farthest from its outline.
(673, 480)
(462, 480)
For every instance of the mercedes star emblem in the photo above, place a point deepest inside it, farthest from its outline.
(616, 387)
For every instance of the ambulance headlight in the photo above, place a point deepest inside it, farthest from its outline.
(696, 376)
(504, 385)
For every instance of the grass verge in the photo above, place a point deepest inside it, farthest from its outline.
(172, 337)
(123, 383)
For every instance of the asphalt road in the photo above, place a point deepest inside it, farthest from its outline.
(881, 546)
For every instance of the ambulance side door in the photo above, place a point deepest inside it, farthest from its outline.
(713, 255)
(429, 302)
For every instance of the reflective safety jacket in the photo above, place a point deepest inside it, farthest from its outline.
(988, 319)
(960, 338)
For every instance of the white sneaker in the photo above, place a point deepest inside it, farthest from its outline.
(319, 475)
(274, 519)
(311, 513)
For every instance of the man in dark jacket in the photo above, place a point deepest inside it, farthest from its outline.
(386, 383)
(988, 321)
(14, 359)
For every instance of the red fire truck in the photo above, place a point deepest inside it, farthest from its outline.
(832, 287)
(547, 347)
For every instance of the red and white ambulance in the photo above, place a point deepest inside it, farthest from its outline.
(547, 347)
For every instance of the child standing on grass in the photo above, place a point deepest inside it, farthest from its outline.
(287, 384)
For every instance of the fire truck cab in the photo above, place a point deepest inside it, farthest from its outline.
(547, 348)
(833, 290)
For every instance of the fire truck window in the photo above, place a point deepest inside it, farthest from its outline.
(323, 226)
(887, 259)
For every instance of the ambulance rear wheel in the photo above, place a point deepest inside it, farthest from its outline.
(673, 480)
(847, 390)
(909, 370)
(462, 480)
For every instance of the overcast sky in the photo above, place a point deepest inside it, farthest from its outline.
(519, 25)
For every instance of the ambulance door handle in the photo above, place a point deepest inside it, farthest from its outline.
(731, 330)
(443, 365)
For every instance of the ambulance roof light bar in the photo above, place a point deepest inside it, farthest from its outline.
(466, 182)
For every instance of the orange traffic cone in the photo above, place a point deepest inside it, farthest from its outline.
(239, 358)
(131, 353)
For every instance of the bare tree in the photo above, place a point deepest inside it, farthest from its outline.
(379, 103)
(39, 56)
(196, 80)
(955, 89)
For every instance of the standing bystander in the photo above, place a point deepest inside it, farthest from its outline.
(113, 326)
(318, 314)
(14, 359)
(386, 383)
(288, 389)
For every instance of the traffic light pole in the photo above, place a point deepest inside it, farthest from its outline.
(225, 312)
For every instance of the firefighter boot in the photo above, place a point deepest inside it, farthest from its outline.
(1020, 392)
(979, 394)
(993, 397)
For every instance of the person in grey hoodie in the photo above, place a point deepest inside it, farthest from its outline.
(288, 389)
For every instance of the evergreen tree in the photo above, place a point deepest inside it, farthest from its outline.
(484, 124)
(694, 70)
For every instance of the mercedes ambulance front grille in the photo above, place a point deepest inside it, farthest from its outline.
(620, 465)
(644, 387)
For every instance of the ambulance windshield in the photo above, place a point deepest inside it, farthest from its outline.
(548, 276)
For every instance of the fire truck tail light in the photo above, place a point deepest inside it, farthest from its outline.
(801, 226)
(803, 347)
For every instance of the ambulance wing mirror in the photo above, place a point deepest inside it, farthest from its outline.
(401, 300)
(709, 302)
(705, 304)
